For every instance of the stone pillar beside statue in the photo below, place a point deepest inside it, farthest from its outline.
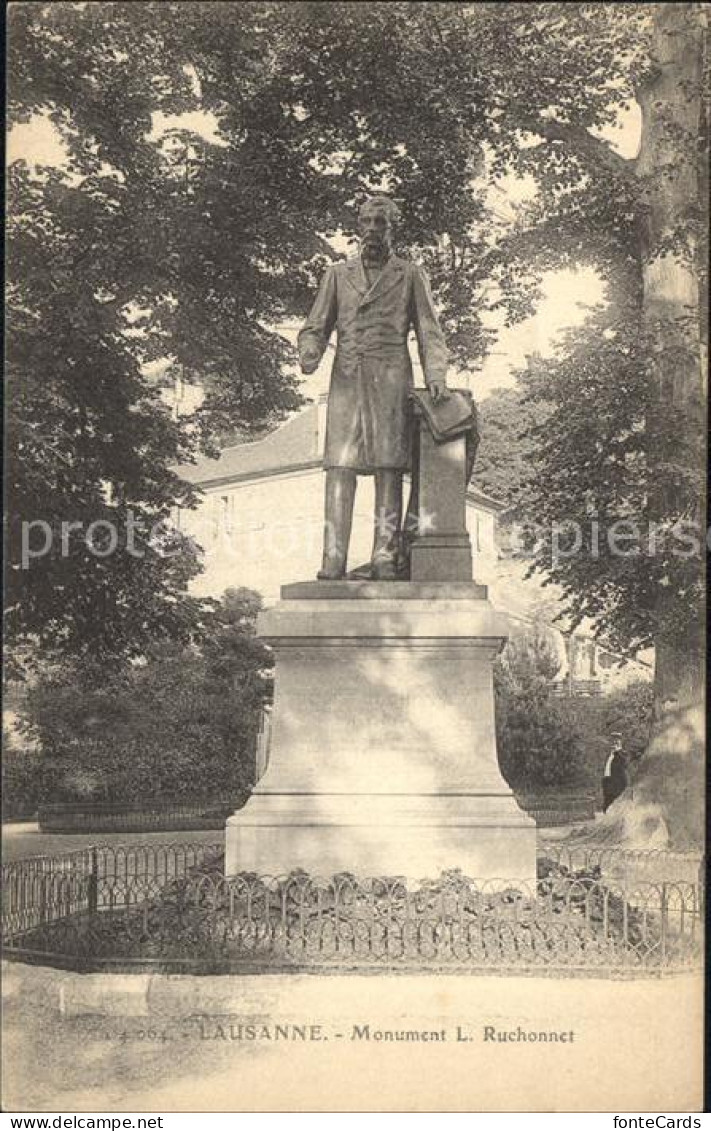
(442, 549)
(383, 747)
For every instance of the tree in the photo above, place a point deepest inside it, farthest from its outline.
(181, 725)
(625, 436)
(98, 252)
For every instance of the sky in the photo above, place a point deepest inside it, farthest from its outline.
(566, 293)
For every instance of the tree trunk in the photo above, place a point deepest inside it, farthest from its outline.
(663, 807)
(668, 168)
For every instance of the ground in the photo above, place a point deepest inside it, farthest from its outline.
(23, 838)
(143, 1043)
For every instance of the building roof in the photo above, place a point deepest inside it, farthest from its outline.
(292, 446)
(289, 447)
(483, 501)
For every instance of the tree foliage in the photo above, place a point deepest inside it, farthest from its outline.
(589, 481)
(507, 423)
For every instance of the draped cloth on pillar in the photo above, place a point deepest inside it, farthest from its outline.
(451, 417)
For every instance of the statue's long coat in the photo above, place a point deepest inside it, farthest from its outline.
(367, 423)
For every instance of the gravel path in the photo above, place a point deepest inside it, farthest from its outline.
(20, 840)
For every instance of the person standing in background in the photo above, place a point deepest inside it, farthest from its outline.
(615, 778)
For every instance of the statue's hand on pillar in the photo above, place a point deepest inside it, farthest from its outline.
(438, 390)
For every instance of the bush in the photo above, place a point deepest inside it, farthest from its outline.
(22, 780)
(181, 726)
(548, 741)
(536, 744)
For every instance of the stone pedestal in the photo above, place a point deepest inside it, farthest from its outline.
(383, 750)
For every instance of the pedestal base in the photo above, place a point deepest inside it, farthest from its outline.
(383, 753)
(416, 836)
(438, 557)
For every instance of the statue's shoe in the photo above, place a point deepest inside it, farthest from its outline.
(367, 572)
(361, 573)
(384, 571)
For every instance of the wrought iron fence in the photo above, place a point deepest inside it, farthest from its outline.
(42, 889)
(557, 807)
(580, 688)
(124, 817)
(170, 907)
(624, 865)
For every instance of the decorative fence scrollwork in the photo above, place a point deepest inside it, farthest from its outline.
(171, 907)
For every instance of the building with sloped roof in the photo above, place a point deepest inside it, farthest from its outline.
(260, 525)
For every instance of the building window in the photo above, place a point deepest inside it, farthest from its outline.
(228, 509)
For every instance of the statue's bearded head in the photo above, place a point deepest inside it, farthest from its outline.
(377, 219)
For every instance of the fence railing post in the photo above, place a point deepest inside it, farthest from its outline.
(43, 900)
(94, 883)
(665, 912)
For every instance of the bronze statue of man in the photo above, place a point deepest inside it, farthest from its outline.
(372, 300)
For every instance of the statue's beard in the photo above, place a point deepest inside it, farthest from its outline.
(374, 249)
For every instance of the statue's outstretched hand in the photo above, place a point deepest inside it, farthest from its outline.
(309, 362)
(438, 391)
